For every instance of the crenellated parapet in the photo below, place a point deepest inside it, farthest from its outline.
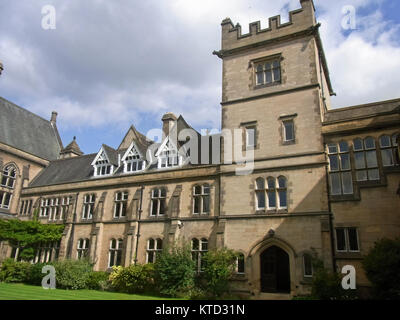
(299, 20)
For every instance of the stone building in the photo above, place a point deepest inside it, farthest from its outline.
(325, 181)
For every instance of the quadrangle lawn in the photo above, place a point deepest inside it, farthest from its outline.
(12, 291)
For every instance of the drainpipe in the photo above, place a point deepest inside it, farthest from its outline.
(330, 218)
(138, 226)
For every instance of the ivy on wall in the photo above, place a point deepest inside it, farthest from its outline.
(27, 235)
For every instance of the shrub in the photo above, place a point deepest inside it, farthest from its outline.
(327, 285)
(382, 266)
(98, 280)
(219, 266)
(133, 279)
(175, 270)
(36, 275)
(72, 274)
(12, 271)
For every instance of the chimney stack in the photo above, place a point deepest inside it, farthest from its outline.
(168, 120)
(53, 117)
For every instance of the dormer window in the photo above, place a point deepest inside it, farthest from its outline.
(133, 160)
(168, 156)
(102, 165)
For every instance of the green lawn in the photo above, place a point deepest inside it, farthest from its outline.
(11, 291)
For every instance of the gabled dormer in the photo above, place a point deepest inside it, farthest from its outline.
(133, 160)
(106, 161)
(168, 155)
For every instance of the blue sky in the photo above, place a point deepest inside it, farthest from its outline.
(110, 64)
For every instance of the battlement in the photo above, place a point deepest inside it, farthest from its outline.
(299, 20)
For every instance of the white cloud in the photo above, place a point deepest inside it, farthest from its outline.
(113, 63)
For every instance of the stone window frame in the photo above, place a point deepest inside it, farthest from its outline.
(25, 208)
(303, 258)
(364, 150)
(285, 118)
(240, 273)
(158, 215)
(3, 197)
(9, 168)
(245, 126)
(116, 251)
(197, 254)
(202, 195)
(155, 250)
(123, 201)
(339, 153)
(82, 248)
(262, 61)
(347, 242)
(276, 189)
(88, 204)
(393, 147)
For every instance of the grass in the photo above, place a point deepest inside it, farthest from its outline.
(12, 291)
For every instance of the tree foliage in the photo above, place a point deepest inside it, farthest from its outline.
(219, 266)
(175, 270)
(382, 267)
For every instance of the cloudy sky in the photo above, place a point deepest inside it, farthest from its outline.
(109, 64)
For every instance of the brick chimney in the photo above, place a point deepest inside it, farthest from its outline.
(169, 120)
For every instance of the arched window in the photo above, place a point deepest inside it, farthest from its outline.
(307, 265)
(201, 196)
(9, 176)
(389, 152)
(271, 192)
(158, 202)
(154, 247)
(240, 269)
(260, 193)
(199, 249)
(83, 248)
(366, 160)
(115, 253)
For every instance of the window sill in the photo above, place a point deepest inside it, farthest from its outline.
(345, 197)
(349, 255)
(392, 169)
(267, 85)
(289, 143)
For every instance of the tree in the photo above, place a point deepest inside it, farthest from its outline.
(382, 266)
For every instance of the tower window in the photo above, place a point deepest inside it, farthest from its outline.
(288, 130)
(268, 72)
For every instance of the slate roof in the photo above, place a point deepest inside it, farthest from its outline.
(80, 168)
(66, 170)
(23, 130)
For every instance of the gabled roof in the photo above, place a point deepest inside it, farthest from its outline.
(133, 149)
(141, 141)
(26, 131)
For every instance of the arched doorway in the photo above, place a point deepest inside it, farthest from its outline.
(275, 270)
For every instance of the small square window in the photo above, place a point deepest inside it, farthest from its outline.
(251, 132)
(288, 130)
